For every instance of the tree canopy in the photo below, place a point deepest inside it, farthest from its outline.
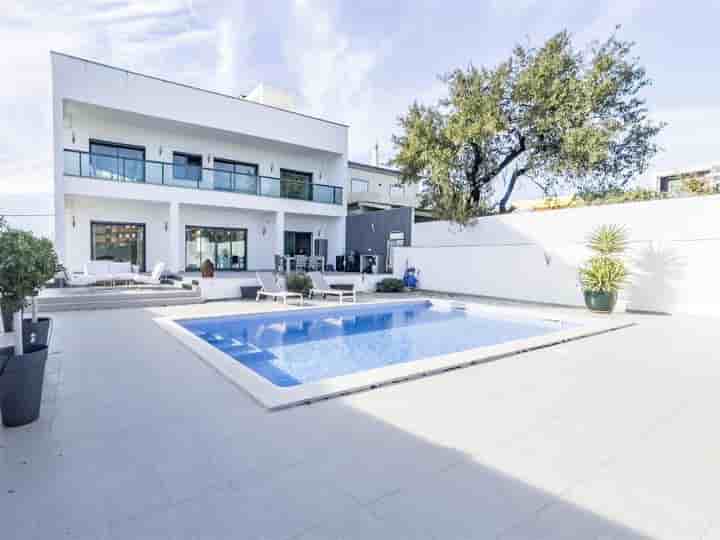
(554, 115)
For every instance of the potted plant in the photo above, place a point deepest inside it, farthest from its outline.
(297, 282)
(604, 274)
(26, 264)
(207, 269)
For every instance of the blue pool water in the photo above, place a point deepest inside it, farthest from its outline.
(297, 347)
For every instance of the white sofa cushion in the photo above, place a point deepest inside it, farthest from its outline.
(120, 268)
(97, 268)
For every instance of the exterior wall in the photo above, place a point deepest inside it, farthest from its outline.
(368, 233)
(83, 81)
(379, 182)
(86, 209)
(91, 100)
(161, 138)
(159, 241)
(674, 254)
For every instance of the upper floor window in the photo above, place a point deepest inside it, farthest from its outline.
(117, 161)
(187, 166)
(295, 184)
(235, 175)
(358, 185)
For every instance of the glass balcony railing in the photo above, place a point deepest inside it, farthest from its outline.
(120, 169)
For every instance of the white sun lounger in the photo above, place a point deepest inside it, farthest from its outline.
(269, 287)
(152, 279)
(320, 286)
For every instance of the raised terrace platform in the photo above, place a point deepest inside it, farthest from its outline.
(82, 298)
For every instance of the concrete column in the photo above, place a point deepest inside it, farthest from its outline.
(175, 238)
(339, 235)
(279, 233)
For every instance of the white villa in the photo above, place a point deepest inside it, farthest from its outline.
(150, 171)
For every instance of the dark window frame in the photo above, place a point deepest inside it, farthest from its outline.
(234, 163)
(125, 146)
(186, 167)
(306, 174)
(234, 229)
(143, 266)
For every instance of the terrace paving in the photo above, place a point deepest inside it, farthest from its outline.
(606, 437)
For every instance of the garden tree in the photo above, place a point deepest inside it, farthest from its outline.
(26, 264)
(560, 117)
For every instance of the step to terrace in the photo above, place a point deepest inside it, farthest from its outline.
(74, 300)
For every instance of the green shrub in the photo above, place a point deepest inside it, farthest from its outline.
(299, 283)
(390, 285)
(26, 264)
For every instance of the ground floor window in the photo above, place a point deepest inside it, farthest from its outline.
(119, 242)
(225, 248)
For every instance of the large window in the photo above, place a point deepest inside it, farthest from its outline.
(117, 161)
(235, 176)
(358, 185)
(225, 248)
(187, 166)
(296, 184)
(119, 242)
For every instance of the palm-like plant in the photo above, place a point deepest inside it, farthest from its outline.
(608, 240)
(605, 272)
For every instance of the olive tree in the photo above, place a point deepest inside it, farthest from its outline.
(555, 115)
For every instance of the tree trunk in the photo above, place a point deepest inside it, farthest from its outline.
(17, 328)
(517, 173)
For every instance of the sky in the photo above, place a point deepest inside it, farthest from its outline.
(361, 63)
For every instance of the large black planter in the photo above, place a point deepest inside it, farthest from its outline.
(36, 333)
(602, 302)
(21, 385)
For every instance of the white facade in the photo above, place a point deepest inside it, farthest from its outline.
(93, 102)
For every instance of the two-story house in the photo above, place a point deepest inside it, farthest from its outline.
(148, 170)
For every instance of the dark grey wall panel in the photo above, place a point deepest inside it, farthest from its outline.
(368, 233)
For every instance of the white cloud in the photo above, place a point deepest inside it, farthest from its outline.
(164, 37)
(335, 75)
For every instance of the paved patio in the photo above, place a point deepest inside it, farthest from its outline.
(608, 437)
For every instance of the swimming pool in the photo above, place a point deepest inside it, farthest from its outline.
(288, 357)
(295, 348)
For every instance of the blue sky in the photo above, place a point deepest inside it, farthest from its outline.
(358, 62)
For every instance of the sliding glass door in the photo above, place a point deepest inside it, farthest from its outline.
(119, 242)
(225, 248)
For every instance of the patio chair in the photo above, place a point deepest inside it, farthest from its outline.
(320, 286)
(301, 262)
(269, 287)
(314, 264)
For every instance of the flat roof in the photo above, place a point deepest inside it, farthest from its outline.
(191, 87)
(372, 168)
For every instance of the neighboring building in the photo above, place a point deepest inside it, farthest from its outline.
(374, 187)
(148, 170)
(673, 181)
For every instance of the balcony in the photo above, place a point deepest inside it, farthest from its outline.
(135, 171)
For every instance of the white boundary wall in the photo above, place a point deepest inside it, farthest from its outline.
(674, 254)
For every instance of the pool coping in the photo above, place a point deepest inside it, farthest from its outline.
(275, 397)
